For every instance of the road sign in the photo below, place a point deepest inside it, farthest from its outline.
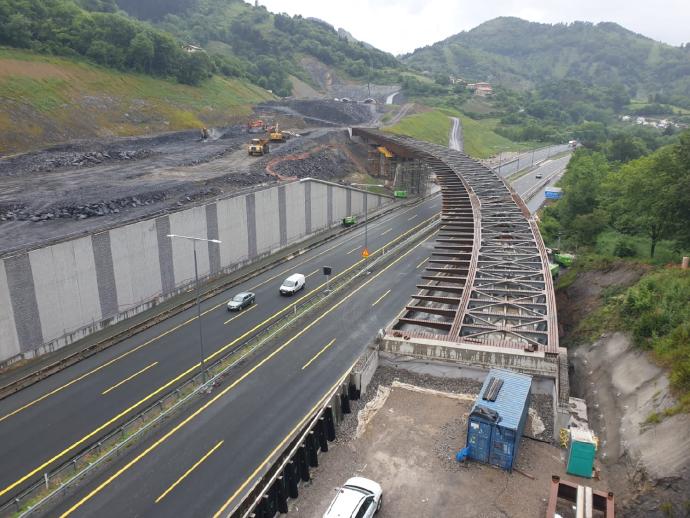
(365, 253)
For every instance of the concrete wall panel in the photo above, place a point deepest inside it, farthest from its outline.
(294, 211)
(136, 263)
(232, 231)
(212, 231)
(66, 286)
(9, 342)
(357, 203)
(267, 221)
(319, 206)
(105, 273)
(190, 222)
(22, 294)
(339, 204)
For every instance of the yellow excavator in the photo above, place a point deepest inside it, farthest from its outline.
(275, 135)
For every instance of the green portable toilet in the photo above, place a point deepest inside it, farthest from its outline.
(581, 453)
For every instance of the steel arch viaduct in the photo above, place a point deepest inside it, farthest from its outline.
(486, 297)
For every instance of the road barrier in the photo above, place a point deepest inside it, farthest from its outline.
(58, 483)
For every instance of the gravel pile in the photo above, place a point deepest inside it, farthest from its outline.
(449, 443)
(59, 160)
(328, 164)
(75, 211)
(542, 404)
(386, 376)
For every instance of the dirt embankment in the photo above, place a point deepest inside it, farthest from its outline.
(89, 185)
(648, 465)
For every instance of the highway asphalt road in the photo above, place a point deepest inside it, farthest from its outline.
(528, 158)
(200, 463)
(550, 170)
(47, 423)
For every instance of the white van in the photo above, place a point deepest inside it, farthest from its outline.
(292, 284)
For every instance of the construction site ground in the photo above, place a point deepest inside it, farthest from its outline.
(405, 433)
(87, 186)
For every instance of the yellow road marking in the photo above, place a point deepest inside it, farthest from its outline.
(318, 354)
(242, 312)
(182, 375)
(355, 248)
(171, 330)
(312, 273)
(129, 378)
(186, 473)
(380, 298)
(420, 264)
(239, 380)
(386, 232)
(282, 443)
(99, 368)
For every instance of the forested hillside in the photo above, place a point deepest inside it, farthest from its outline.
(522, 54)
(147, 36)
(265, 46)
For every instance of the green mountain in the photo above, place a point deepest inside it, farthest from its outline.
(521, 54)
(264, 46)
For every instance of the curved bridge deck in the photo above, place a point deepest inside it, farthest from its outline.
(487, 282)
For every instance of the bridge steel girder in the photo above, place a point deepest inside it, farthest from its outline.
(497, 290)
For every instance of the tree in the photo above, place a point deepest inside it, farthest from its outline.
(141, 52)
(16, 31)
(642, 197)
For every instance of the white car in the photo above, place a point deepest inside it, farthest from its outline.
(358, 498)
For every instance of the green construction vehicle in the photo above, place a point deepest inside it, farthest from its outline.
(565, 260)
(349, 221)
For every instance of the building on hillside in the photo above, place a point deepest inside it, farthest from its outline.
(481, 89)
(191, 49)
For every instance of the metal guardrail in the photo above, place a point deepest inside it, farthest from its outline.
(90, 458)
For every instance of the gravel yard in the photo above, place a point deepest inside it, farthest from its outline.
(86, 186)
(408, 444)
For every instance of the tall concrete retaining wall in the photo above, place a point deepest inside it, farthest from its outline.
(55, 295)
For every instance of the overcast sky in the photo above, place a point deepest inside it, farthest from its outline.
(400, 26)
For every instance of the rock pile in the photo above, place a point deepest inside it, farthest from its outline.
(77, 211)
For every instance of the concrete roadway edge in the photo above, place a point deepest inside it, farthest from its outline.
(14, 380)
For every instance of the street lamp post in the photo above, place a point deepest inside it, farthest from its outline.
(198, 295)
(366, 209)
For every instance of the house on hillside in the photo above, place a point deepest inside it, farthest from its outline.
(481, 89)
(191, 49)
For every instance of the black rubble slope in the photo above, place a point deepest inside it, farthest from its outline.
(514, 51)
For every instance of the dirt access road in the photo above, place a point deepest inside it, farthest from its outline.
(89, 185)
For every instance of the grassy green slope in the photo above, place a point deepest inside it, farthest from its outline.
(46, 100)
(434, 126)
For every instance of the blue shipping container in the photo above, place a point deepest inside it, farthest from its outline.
(497, 418)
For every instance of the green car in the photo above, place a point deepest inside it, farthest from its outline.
(348, 221)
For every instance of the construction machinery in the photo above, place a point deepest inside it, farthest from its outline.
(256, 126)
(275, 135)
(258, 147)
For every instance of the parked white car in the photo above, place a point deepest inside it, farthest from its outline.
(292, 284)
(358, 498)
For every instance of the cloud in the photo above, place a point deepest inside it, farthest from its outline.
(400, 26)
